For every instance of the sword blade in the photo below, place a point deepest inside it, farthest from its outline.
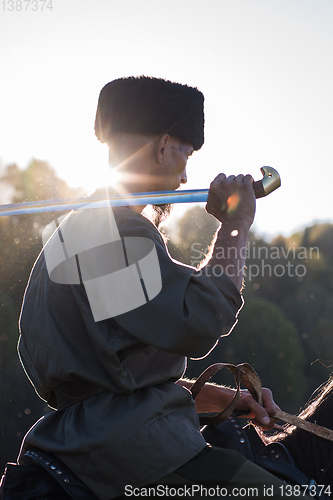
(270, 181)
(156, 198)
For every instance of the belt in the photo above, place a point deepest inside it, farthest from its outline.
(72, 393)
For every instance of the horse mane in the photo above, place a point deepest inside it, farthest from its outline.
(311, 454)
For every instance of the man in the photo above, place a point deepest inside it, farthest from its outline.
(125, 416)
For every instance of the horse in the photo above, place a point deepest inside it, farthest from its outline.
(290, 450)
(311, 454)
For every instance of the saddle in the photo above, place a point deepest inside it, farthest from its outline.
(274, 457)
(42, 477)
(225, 430)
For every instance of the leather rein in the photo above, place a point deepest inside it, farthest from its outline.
(244, 374)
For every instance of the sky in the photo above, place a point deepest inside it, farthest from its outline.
(264, 66)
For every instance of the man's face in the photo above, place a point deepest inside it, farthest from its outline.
(173, 172)
(172, 175)
(149, 163)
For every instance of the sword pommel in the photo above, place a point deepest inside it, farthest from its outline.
(271, 180)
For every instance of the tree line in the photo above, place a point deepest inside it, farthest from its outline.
(284, 329)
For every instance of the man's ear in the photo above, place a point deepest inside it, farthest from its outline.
(162, 148)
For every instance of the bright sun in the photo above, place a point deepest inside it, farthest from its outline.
(89, 171)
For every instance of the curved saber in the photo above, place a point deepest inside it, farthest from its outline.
(269, 182)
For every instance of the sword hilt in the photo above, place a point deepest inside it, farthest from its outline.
(271, 180)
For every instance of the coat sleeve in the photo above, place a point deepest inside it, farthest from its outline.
(191, 311)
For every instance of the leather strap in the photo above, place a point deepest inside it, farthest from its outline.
(245, 374)
(318, 430)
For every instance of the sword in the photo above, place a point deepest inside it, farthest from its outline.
(269, 182)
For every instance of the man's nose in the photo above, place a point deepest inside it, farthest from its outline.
(183, 180)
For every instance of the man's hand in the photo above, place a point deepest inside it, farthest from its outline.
(215, 398)
(232, 198)
(260, 415)
(232, 201)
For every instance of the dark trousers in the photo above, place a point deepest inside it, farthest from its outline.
(217, 473)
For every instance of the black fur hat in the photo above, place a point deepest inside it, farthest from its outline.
(145, 105)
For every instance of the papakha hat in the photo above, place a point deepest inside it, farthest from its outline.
(146, 105)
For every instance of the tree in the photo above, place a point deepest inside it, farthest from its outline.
(266, 340)
(20, 244)
(294, 275)
(191, 241)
